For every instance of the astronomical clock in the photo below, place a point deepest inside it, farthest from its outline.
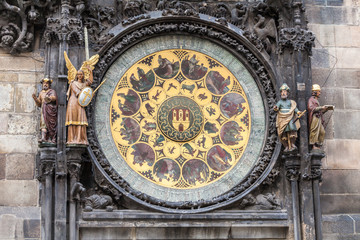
(180, 123)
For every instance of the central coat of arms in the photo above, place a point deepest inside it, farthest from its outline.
(180, 118)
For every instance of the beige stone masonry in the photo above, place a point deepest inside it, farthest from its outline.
(342, 154)
(4, 118)
(8, 77)
(347, 36)
(33, 78)
(21, 124)
(18, 144)
(23, 98)
(348, 57)
(16, 63)
(10, 227)
(20, 166)
(19, 192)
(324, 34)
(7, 97)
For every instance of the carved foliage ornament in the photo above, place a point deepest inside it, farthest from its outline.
(18, 21)
(258, 20)
(296, 39)
(197, 30)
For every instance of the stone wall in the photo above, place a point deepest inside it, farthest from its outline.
(19, 190)
(336, 67)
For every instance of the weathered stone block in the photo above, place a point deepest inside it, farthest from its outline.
(329, 127)
(346, 124)
(31, 77)
(348, 78)
(335, 2)
(320, 58)
(24, 101)
(324, 34)
(8, 77)
(339, 224)
(7, 226)
(20, 166)
(342, 154)
(2, 166)
(9, 63)
(4, 118)
(107, 233)
(18, 144)
(325, 77)
(352, 3)
(315, 2)
(340, 181)
(332, 96)
(352, 34)
(32, 228)
(357, 222)
(182, 233)
(18, 192)
(340, 204)
(332, 15)
(7, 97)
(22, 124)
(338, 236)
(352, 98)
(258, 233)
(348, 57)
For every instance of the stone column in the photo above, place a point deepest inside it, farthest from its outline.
(46, 174)
(74, 167)
(315, 177)
(292, 165)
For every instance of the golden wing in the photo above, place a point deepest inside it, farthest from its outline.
(90, 62)
(71, 69)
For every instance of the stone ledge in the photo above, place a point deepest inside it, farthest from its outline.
(130, 224)
(221, 215)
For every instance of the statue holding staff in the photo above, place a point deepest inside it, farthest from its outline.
(78, 93)
(316, 120)
(286, 120)
(47, 101)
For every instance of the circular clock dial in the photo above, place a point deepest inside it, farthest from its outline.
(180, 124)
(180, 119)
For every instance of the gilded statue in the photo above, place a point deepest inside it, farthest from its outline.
(47, 101)
(287, 122)
(76, 120)
(316, 120)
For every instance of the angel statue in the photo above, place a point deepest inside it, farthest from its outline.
(76, 120)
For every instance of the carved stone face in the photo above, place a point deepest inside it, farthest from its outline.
(45, 85)
(80, 76)
(33, 15)
(7, 40)
(284, 94)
